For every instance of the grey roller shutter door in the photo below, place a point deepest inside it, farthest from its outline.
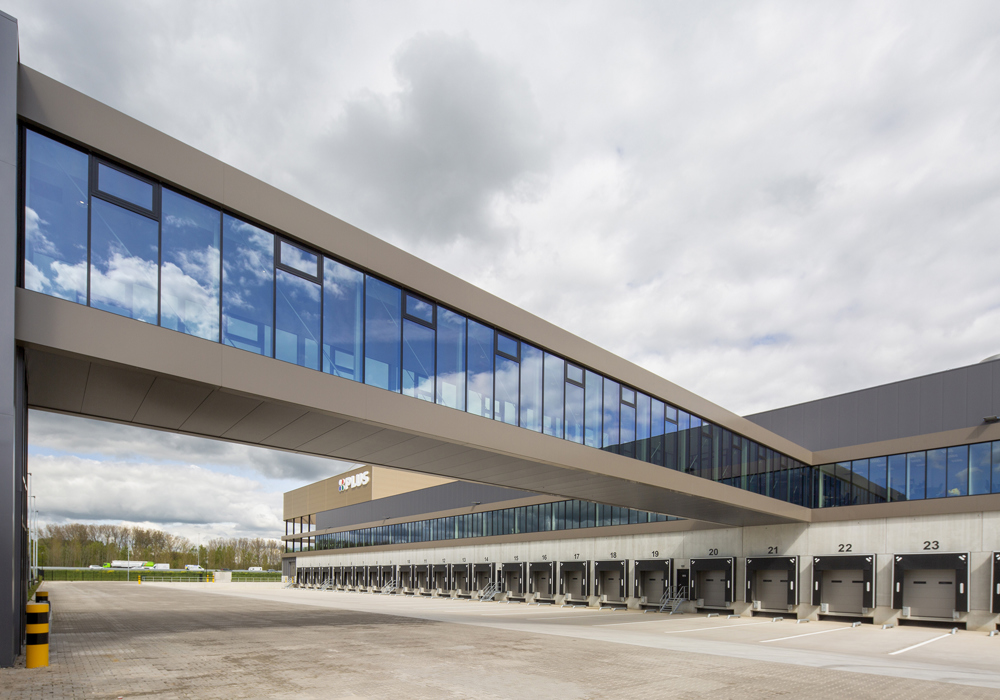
(930, 592)
(844, 591)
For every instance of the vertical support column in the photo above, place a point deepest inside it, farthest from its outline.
(13, 494)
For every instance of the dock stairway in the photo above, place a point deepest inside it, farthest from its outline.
(672, 598)
(489, 593)
(388, 588)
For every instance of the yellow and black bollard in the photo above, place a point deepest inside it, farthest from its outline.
(43, 597)
(37, 654)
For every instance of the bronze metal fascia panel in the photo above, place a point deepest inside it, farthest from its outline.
(931, 441)
(905, 509)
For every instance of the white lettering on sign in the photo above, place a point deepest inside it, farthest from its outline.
(354, 481)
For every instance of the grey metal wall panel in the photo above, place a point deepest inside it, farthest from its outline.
(951, 400)
(456, 494)
(979, 396)
(909, 408)
(846, 407)
(931, 392)
(888, 411)
(867, 424)
(13, 577)
(954, 399)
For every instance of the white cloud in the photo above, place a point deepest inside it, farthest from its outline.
(178, 498)
(54, 432)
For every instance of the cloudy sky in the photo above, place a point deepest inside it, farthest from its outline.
(763, 202)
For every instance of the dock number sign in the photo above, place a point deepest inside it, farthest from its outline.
(354, 481)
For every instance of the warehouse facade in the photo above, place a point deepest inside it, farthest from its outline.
(157, 286)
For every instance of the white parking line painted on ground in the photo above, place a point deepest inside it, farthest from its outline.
(928, 641)
(807, 634)
(646, 622)
(571, 616)
(719, 627)
(519, 612)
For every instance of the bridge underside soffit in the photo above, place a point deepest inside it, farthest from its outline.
(77, 385)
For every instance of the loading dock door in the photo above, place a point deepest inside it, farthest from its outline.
(772, 588)
(930, 592)
(572, 578)
(512, 582)
(709, 576)
(940, 573)
(483, 576)
(573, 582)
(610, 577)
(652, 585)
(844, 591)
(995, 584)
(712, 587)
(611, 584)
(540, 582)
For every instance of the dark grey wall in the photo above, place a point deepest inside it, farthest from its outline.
(12, 497)
(958, 398)
(457, 494)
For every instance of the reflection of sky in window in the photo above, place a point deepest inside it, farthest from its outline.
(123, 257)
(298, 259)
(125, 187)
(55, 219)
(189, 272)
(297, 320)
(247, 286)
(343, 302)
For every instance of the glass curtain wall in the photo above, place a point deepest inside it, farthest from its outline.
(99, 234)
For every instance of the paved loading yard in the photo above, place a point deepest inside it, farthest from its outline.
(112, 639)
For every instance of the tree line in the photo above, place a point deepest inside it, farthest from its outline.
(77, 544)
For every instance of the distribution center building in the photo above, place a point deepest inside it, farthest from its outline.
(153, 285)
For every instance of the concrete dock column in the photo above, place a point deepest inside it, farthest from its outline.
(37, 645)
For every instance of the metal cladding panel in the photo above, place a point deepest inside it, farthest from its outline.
(955, 399)
(789, 564)
(59, 383)
(303, 430)
(951, 400)
(959, 561)
(219, 412)
(979, 393)
(640, 565)
(263, 421)
(845, 562)
(169, 402)
(867, 408)
(115, 393)
(726, 564)
(541, 566)
(888, 412)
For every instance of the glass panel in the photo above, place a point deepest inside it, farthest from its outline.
(897, 478)
(877, 478)
(247, 286)
(996, 467)
(670, 445)
(574, 373)
(383, 304)
(418, 360)
(612, 404)
(297, 320)
(936, 473)
(656, 432)
(125, 187)
(506, 344)
(628, 430)
(506, 390)
(979, 468)
(55, 219)
(189, 274)
(574, 412)
(531, 388)
(552, 407)
(958, 471)
(298, 259)
(859, 490)
(916, 476)
(594, 397)
(628, 395)
(419, 308)
(343, 311)
(480, 370)
(451, 359)
(123, 262)
(642, 427)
